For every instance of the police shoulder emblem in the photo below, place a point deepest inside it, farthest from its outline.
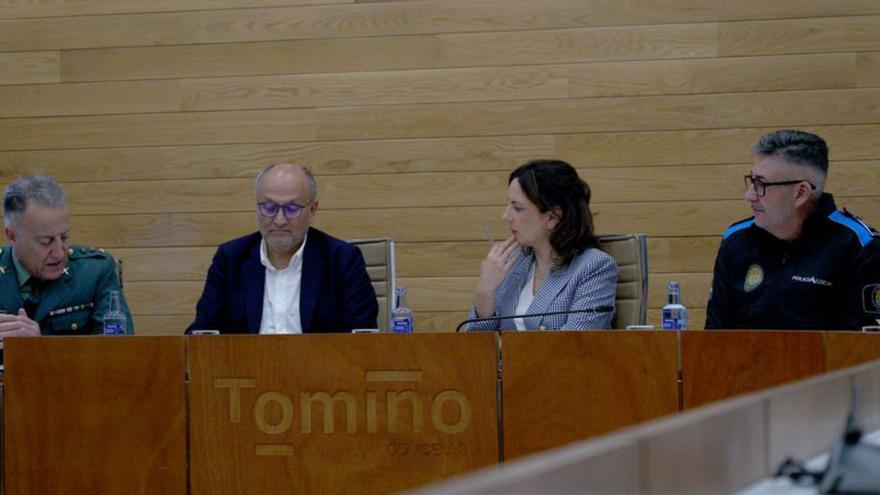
(871, 299)
(754, 277)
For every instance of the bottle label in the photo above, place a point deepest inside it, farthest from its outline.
(113, 328)
(403, 325)
(672, 324)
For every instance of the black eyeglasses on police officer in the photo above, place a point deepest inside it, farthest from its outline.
(290, 210)
(761, 185)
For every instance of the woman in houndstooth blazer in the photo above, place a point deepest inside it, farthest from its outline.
(551, 262)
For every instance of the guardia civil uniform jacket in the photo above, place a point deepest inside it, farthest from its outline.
(74, 303)
(826, 279)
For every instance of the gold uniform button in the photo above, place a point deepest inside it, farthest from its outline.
(74, 326)
(70, 251)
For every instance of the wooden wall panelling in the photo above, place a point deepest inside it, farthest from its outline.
(788, 9)
(798, 108)
(695, 292)
(235, 24)
(244, 160)
(315, 22)
(832, 34)
(391, 52)
(825, 71)
(362, 122)
(14, 9)
(36, 100)
(622, 114)
(416, 190)
(541, 116)
(162, 325)
(601, 12)
(702, 146)
(157, 128)
(643, 148)
(29, 67)
(165, 264)
(869, 69)
(163, 298)
(684, 254)
(523, 82)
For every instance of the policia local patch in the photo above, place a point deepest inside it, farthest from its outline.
(754, 277)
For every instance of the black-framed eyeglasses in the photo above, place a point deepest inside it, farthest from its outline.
(290, 210)
(761, 186)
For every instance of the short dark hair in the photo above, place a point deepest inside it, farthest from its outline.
(797, 147)
(37, 189)
(554, 183)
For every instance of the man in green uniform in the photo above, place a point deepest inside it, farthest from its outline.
(48, 287)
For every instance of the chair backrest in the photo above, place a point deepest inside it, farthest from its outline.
(379, 256)
(631, 253)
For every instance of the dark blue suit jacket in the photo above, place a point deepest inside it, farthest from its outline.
(336, 293)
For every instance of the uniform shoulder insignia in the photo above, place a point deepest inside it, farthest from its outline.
(736, 227)
(863, 231)
(77, 251)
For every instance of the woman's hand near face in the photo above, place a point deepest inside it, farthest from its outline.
(494, 268)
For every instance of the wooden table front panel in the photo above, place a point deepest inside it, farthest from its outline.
(845, 349)
(565, 386)
(95, 415)
(406, 410)
(716, 365)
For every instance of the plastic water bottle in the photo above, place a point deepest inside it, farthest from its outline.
(674, 314)
(115, 322)
(402, 316)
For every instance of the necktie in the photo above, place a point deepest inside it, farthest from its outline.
(33, 298)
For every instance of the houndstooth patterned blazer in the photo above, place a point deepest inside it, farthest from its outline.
(589, 281)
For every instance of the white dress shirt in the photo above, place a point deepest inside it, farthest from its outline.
(526, 296)
(281, 293)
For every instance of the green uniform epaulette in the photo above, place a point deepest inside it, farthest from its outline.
(76, 252)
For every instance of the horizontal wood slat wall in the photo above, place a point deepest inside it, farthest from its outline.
(155, 116)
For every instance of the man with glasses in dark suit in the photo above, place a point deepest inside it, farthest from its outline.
(799, 262)
(289, 277)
